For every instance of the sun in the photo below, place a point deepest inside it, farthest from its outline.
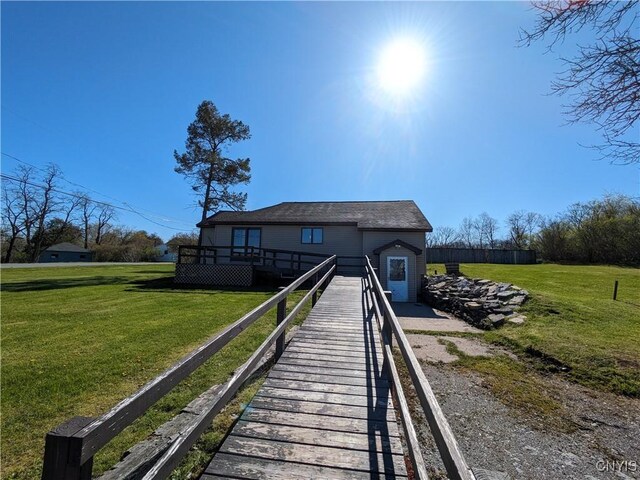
(401, 66)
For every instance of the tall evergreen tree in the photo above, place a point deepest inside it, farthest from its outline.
(211, 173)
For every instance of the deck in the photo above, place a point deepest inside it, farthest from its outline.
(325, 409)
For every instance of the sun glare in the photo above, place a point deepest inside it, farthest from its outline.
(401, 67)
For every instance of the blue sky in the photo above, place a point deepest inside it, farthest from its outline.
(106, 91)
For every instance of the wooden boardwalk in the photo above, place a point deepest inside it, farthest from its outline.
(325, 408)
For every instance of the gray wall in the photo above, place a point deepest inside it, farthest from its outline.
(342, 240)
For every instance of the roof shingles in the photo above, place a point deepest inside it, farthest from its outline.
(383, 215)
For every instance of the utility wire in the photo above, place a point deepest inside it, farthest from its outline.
(129, 209)
(75, 195)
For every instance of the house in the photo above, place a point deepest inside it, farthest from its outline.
(297, 235)
(65, 252)
(164, 254)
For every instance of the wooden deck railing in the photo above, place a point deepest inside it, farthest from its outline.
(70, 448)
(454, 462)
(292, 260)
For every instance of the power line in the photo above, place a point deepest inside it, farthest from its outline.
(75, 195)
(129, 209)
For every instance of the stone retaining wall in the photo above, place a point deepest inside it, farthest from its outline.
(482, 303)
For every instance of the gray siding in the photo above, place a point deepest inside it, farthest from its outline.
(372, 240)
(344, 240)
(339, 240)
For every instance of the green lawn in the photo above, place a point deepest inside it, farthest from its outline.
(75, 341)
(573, 319)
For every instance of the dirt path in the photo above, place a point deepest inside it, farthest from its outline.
(592, 430)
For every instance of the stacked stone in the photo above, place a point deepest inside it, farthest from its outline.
(482, 303)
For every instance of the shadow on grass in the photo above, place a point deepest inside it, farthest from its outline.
(62, 283)
(165, 284)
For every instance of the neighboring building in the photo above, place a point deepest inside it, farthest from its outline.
(65, 252)
(391, 233)
(163, 254)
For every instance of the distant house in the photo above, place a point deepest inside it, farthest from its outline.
(163, 254)
(391, 233)
(65, 252)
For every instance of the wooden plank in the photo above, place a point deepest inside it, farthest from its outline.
(240, 466)
(315, 455)
(322, 408)
(358, 343)
(330, 346)
(337, 398)
(295, 347)
(327, 378)
(326, 370)
(373, 441)
(310, 361)
(319, 422)
(305, 386)
(301, 353)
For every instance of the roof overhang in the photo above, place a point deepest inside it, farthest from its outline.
(395, 243)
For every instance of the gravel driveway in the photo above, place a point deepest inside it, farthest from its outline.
(494, 436)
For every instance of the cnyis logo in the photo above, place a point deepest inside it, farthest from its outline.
(617, 466)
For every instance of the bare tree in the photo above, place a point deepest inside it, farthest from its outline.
(102, 225)
(43, 204)
(517, 229)
(12, 217)
(466, 232)
(443, 237)
(488, 229)
(522, 227)
(603, 80)
(87, 208)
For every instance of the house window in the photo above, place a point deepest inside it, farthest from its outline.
(312, 235)
(83, 256)
(243, 238)
(54, 255)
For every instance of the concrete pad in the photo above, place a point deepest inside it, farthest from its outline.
(418, 316)
(427, 347)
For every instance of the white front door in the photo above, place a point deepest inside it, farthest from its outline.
(397, 278)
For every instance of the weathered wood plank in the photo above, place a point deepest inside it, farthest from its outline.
(326, 370)
(315, 455)
(327, 378)
(346, 359)
(236, 466)
(296, 347)
(322, 408)
(320, 422)
(306, 360)
(304, 386)
(338, 398)
(374, 441)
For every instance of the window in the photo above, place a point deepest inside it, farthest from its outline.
(83, 256)
(312, 235)
(54, 255)
(243, 238)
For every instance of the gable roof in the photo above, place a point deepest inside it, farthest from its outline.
(397, 243)
(67, 247)
(377, 215)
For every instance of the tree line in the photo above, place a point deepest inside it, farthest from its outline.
(37, 214)
(606, 230)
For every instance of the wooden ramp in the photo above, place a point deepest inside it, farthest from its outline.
(325, 409)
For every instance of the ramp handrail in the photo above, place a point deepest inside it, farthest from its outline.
(70, 448)
(454, 462)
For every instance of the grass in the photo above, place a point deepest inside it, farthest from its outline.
(573, 324)
(75, 341)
